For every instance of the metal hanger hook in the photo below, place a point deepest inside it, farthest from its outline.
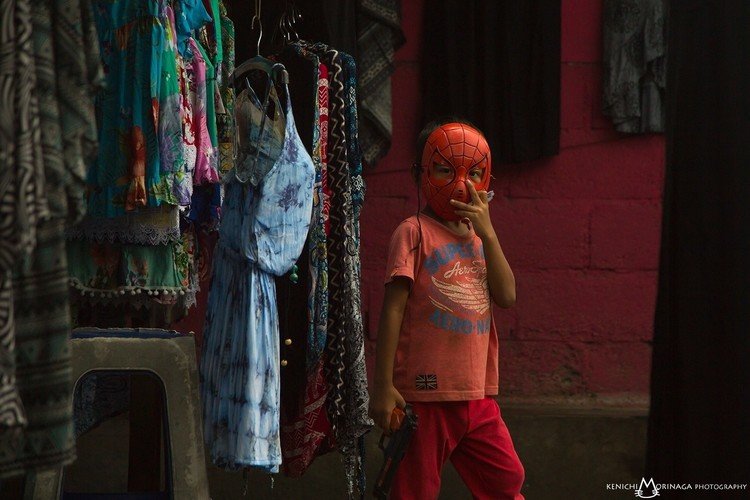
(257, 17)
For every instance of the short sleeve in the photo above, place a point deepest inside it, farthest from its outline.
(403, 252)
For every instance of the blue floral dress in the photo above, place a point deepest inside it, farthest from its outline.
(263, 230)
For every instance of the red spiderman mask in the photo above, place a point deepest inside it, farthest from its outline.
(454, 154)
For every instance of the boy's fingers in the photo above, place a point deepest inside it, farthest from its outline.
(464, 213)
(464, 206)
(473, 192)
(461, 204)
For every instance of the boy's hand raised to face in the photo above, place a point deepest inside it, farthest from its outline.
(478, 212)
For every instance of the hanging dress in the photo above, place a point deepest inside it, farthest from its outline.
(128, 173)
(131, 250)
(265, 221)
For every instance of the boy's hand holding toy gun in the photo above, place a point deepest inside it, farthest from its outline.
(403, 425)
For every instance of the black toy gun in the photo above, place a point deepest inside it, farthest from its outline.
(403, 425)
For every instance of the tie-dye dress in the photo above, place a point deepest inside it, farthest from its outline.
(264, 226)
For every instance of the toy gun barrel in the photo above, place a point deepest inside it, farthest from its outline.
(403, 425)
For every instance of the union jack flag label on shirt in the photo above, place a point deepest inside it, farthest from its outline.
(426, 382)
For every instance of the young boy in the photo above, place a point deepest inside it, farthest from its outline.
(437, 345)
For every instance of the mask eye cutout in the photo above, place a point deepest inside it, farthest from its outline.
(476, 175)
(441, 174)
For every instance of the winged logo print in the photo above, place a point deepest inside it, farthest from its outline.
(471, 294)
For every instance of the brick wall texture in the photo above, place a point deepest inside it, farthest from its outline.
(581, 231)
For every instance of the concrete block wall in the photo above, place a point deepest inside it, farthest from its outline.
(581, 231)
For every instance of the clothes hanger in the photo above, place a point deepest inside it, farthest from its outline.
(285, 35)
(241, 79)
(258, 62)
(292, 18)
(287, 19)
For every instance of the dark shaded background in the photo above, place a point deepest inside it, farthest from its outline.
(699, 429)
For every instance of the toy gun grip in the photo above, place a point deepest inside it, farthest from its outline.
(403, 424)
(397, 418)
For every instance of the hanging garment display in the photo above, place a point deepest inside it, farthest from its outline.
(306, 430)
(143, 252)
(263, 230)
(331, 404)
(49, 67)
(634, 64)
(158, 120)
(348, 398)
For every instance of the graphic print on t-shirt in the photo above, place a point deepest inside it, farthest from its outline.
(459, 292)
(472, 294)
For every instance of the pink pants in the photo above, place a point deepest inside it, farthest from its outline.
(474, 437)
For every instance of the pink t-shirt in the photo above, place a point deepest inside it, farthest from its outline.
(447, 347)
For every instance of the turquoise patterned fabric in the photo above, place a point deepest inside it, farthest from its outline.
(263, 230)
(128, 171)
(191, 16)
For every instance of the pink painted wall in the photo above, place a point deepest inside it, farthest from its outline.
(580, 230)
